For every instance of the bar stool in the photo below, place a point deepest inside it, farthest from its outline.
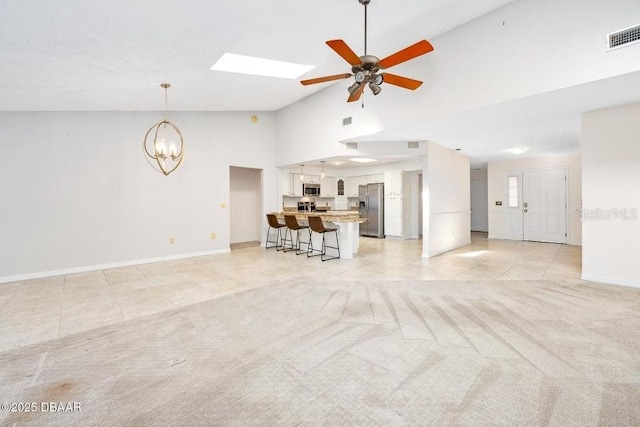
(293, 225)
(272, 220)
(316, 224)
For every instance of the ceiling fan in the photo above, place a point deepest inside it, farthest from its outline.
(366, 68)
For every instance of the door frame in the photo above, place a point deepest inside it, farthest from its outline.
(260, 218)
(520, 174)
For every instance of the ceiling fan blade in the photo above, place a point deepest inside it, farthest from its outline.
(404, 82)
(345, 51)
(325, 79)
(357, 94)
(406, 54)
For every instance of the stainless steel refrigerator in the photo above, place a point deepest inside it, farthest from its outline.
(371, 207)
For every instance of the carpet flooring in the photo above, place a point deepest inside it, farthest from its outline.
(353, 352)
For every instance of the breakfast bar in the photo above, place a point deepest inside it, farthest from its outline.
(347, 223)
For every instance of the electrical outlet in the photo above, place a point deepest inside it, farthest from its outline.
(213, 236)
(172, 240)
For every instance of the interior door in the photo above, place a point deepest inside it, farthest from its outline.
(479, 206)
(544, 205)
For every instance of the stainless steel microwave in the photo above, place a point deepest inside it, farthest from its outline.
(311, 189)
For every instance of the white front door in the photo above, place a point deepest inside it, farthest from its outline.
(544, 205)
(479, 206)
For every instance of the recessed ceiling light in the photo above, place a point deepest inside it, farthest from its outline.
(337, 163)
(518, 150)
(233, 63)
(363, 160)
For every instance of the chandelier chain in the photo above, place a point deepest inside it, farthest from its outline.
(166, 104)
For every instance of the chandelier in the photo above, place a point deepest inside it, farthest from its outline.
(163, 144)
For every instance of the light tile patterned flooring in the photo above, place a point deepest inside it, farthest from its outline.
(496, 333)
(48, 308)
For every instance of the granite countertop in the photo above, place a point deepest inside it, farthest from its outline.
(329, 216)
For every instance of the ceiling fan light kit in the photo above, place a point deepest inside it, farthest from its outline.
(366, 68)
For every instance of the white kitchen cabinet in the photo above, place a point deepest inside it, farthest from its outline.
(311, 179)
(295, 186)
(393, 182)
(341, 203)
(374, 179)
(328, 187)
(351, 185)
(285, 183)
(393, 215)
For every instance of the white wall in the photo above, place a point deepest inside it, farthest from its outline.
(611, 180)
(411, 200)
(245, 204)
(544, 45)
(446, 182)
(497, 177)
(78, 192)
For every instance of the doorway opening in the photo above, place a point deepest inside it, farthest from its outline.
(479, 205)
(245, 207)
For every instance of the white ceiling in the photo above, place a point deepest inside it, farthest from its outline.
(548, 123)
(78, 55)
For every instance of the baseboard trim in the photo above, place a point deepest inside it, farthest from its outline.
(610, 281)
(84, 269)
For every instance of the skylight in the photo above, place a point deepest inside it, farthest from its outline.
(232, 63)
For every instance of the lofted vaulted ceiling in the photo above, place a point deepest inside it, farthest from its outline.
(78, 55)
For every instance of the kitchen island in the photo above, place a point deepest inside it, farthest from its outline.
(347, 223)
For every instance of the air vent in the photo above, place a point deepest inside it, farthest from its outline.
(413, 144)
(352, 145)
(346, 121)
(623, 38)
